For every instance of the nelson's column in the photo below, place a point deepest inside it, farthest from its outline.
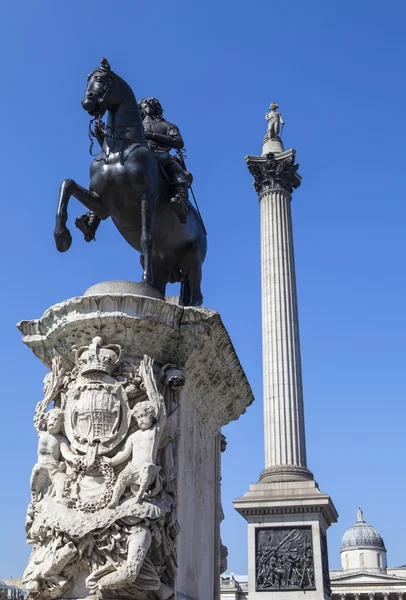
(287, 514)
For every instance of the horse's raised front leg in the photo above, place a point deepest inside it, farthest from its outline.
(146, 238)
(91, 200)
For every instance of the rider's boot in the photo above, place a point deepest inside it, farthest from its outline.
(180, 201)
(88, 224)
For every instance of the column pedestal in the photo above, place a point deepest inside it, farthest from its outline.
(126, 490)
(287, 547)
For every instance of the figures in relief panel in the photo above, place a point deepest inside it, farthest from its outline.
(284, 559)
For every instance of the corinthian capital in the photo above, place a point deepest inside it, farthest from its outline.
(274, 171)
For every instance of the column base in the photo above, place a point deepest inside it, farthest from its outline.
(285, 473)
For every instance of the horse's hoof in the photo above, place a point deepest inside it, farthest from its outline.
(146, 280)
(196, 300)
(63, 239)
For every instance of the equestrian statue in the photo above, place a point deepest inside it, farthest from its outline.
(140, 185)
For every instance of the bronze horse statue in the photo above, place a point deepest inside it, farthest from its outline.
(128, 185)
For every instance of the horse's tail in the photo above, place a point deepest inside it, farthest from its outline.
(185, 291)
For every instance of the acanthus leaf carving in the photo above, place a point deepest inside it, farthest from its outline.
(274, 173)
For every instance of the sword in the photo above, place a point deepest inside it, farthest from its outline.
(181, 156)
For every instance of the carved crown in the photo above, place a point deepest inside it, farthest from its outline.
(97, 358)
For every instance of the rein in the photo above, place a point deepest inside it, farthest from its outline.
(103, 133)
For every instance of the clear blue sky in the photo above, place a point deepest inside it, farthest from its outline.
(337, 71)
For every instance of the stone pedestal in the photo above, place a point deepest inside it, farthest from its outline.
(287, 545)
(126, 491)
(272, 144)
(287, 514)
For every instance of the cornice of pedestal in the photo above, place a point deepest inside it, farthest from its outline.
(285, 498)
(194, 339)
(274, 171)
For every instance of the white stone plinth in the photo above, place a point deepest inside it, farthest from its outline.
(141, 349)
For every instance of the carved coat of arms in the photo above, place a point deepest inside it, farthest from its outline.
(96, 413)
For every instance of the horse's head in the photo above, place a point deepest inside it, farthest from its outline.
(104, 90)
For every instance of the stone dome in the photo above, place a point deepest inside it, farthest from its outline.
(362, 535)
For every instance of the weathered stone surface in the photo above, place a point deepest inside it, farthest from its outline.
(194, 338)
(128, 471)
(123, 287)
(103, 505)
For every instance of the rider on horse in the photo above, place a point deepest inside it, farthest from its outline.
(161, 137)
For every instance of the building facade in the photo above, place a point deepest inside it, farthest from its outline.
(364, 574)
(11, 589)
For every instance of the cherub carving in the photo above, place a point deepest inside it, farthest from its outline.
(142, 473)
(52, 448)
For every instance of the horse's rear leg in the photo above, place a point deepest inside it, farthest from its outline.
(91, 200)
(147, 238)
(193, 271)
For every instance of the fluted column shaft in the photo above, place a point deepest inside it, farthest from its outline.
(283, 396)
(275, 177)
